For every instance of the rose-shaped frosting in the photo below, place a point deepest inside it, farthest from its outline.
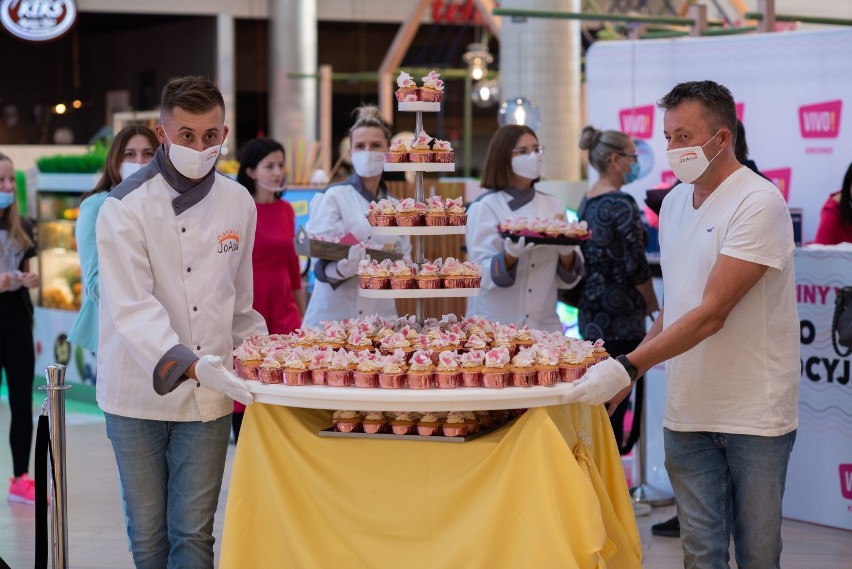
(396, 340)
(442, 146)
(497, 357)
(340, 360)
(455, 205)
(406, 205)
(524, 358)
(421, 360)
(405, 80)
(475, 342)
(433, 81)
(398, 145)
(452, 267)
(421, 142)
(447, 361)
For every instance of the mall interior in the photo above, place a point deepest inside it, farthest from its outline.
(539, 476)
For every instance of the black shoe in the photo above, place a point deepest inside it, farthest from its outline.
(668, 528)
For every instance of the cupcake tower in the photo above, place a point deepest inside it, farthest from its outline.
(419, 216)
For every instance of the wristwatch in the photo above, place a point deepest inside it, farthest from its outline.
(632, 372)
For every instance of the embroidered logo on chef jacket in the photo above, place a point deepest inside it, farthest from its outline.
(167, 369)
(229, 241)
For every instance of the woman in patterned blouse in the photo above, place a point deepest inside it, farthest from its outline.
(618, 293)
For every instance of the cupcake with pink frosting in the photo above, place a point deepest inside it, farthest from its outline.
(472, 274)
(496, 372)
(429, 275)
(405, 87)
(320, 362)
(296, 372)
(443, 151)
(365, 268)
(420, 370)
(372, 212)
(366, 372)
(407, 213)
(420, 151)
(401, 275)
(271, 369)
(432, 90)
(397, 152)
(380, 275)
(447, 372)
(547, 366)
(571, 366)
(600, 352)
(358, 341)
(392, 373)
(436, 211)
(523, 368)
(452, 275)
(471, 368)
(340, 370)
(385, 215)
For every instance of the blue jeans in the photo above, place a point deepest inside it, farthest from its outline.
(170, 475)
(728, 485)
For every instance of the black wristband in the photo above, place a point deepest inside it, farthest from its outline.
(632, 372)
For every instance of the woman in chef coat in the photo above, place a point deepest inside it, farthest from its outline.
(342, 208)
(519, 279)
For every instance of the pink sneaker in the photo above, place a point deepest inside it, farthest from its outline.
(22, 489)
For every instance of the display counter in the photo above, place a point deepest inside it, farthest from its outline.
(819, 478)
(547, 490)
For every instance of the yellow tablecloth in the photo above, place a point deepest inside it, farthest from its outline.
(547, 491)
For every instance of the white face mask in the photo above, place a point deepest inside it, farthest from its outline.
(689, 163)
(128, 169)
(368, 164)
(527, 165)
(192, 163)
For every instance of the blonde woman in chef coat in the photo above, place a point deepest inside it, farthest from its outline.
(519, 279)
(342, 208)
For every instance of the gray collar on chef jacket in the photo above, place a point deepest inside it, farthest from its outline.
(520, 198)
(190, 192)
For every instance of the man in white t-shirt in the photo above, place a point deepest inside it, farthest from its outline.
(729, 334)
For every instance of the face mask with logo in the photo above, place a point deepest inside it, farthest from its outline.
(633, 174)
(192, 163)
(128, 169)
(690, 162)
(368, 164)
(6, 199)
(527, 165)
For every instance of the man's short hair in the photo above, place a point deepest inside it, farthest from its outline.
(193, 94)
(716, 99)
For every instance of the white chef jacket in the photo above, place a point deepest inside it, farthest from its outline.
(526, 295)
(338, 210)
(175, 284)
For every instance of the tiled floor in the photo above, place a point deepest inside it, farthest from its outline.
(97, 539)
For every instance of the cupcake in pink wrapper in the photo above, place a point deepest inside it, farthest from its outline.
(429, 277)
(401, 275)
(420, 370)
(364, 273)
(380, 275)
(571, 366)
(600, 352)
(320, 362)
(456, 213)
(405, 87)
(403, 424)
(392, 343)
(429, 425)
(358, 341)
(471, 422)
(333, 336)
(247, 360)
(432, 90)
(374, 422)
(407, 214)
(523, 368)
(443, 151)
(420, 151)
(397, 153)
(339, 371)
(348, 421)
(436, 211)
(486, 421)
(455, 425)
(547, 366)
(366, 373)
(447, 372)
(471, 368)
(496, 372)
(472, 274)
(295, 370)
(372, 212)
(503, 340)
(271, 370)
(385, 213)
(392, 374)
(451, 273)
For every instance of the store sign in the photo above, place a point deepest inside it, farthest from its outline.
(638, 122)
(37, 20)
(821, 120)
(781, 178)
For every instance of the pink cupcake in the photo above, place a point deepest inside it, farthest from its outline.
(456, 214)
(347, 421)
(408, 214)
(271, 370)
(428, 276)
(420, 151)
(392, 374)
(365, 270)
(339, 371)
(523, 368)
(295, 370)
(385, 215)
(547, 366)
(366, 372)
(495, 373)
(320, 361)
(436, 211)
(401, 275)
(447, 373)
(429, 425)
(374, 422)
(247, 360)
(455, 425)
(433, 88)
(403, 424)
(420, 370)
(471, 368)
(451, 273)
(397, 153)
(372, 212)
(380, 275)
(405, 87)
(443, 151)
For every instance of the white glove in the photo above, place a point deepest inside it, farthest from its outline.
(212, 375)
(348, 267)
(517, 248)
(601, 383)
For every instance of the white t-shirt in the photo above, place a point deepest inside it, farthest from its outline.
(745, 378)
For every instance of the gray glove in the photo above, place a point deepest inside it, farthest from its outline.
(601, 383)
(212, 375)
(516, 249)
(348, 267)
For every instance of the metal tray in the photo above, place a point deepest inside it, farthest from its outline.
(546, 240)
(331, 433)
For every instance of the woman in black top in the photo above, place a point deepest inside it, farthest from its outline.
(618, 292)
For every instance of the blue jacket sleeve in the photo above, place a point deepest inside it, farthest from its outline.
(87, 244)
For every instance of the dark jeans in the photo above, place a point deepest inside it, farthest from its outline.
(17, 358)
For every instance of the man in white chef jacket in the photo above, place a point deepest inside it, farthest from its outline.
(175, 243)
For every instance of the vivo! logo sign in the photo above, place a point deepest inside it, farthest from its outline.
(846, 481)
(38, 20)
(638, 122)
(781, 178)
(821, 120)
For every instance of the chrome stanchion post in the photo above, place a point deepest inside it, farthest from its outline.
(55, 388)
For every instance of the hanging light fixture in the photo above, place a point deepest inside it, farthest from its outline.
(478, 58)
(520, 110)
(486, 93)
